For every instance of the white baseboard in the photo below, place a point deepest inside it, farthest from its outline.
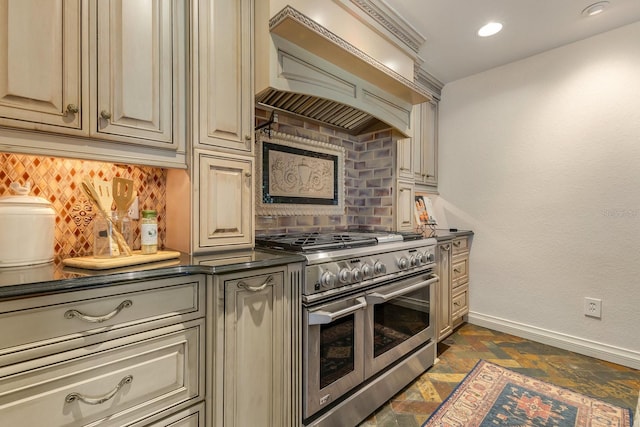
(618, 355)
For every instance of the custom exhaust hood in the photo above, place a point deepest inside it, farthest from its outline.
(306, 70)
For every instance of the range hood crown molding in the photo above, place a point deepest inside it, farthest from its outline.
(313, 37)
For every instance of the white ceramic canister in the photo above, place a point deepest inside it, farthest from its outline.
(27, 228)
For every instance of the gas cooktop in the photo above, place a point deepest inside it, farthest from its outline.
(317, 241)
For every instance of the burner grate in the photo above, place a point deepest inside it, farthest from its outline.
(316, 241)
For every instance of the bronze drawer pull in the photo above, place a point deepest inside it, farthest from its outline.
(72, 397)
(456, 270)
(256, 288)
(456, 303)
(456, 244)
(70, 314)
(72, 108)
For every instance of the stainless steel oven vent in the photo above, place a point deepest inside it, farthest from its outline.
(350, 120)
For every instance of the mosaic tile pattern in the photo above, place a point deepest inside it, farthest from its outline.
(460, 352)
(368, 179)
(58, 180)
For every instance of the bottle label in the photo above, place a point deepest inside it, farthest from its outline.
(149, 234)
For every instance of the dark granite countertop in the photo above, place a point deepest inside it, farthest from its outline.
(442, 235)
(55, 277)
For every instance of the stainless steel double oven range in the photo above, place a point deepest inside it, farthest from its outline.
(368, 319)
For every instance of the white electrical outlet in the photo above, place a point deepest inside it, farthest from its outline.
(593, 307)
(134, 211)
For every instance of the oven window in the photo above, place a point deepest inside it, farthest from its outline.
(399, 319)
(336, 350)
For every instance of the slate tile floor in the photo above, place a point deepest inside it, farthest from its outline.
(460, 352)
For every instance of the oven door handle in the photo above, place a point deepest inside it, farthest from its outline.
(322, 317)
(377, 297)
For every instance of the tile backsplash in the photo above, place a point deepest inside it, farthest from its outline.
(369, 179)
(58, 181)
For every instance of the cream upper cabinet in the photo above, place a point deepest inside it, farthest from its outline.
(223, 87)
(405, 158)
(41, 44)
(95, 79)
(425, 146)
(405, 199)
(135, 67)
(224, 207)
(443, 291)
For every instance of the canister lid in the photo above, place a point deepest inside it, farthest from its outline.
(22, 198)
(149, 214)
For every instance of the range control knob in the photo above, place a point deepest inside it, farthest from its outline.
(328, 279)
(356, 275)
(367, 271)
(421, 257)
(430, 257)
(344, 276)
(403, 263)
(414, 261)
(379, 268)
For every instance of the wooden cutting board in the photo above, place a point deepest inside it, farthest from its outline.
(92, 263)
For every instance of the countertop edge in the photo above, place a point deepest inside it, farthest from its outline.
(184, 265)
(444, 235)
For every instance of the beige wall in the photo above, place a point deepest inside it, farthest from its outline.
(541, 159)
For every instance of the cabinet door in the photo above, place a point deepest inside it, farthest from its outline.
(425, 147)
(40, 64)
(225, 211)
(443, 298)
(405, 158)
(254, 360)
(224, 97)
(135, 60)
(405, 201)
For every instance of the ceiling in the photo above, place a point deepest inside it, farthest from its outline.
(452, 49)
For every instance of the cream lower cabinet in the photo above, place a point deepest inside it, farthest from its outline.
(121, 355)
(224, 205)
(443, 291)
(459, 279)
(452, 293)
(256, 318)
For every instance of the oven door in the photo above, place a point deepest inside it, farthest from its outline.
(333, 351)
(400, 318)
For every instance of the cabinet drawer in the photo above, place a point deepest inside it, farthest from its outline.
(459, 245)
(459, 270)
(192, 417)
(460, 303)
(53, 318)
(114, 384)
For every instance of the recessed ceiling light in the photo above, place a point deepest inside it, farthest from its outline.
(490, 29)
(595, 8)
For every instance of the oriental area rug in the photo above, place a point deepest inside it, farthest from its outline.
(492, 396)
